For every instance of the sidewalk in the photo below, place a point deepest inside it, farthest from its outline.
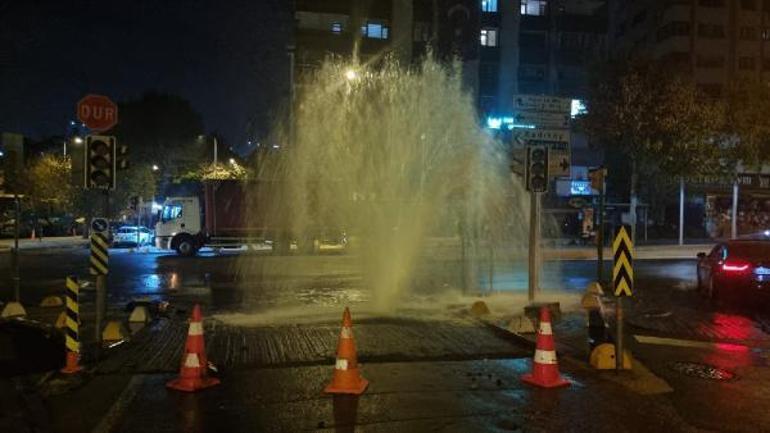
(45, 243)
(645, 252)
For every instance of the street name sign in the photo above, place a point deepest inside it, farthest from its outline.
(542, 103)
(543, 119)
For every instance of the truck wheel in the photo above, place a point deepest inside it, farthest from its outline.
(186, 247)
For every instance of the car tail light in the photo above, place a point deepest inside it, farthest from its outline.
(736, 266)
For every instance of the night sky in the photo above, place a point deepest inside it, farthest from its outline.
(227, 57)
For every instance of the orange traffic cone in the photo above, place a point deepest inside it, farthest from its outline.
(545, 367)
(193, 374)
(347, 379)
(71, 365)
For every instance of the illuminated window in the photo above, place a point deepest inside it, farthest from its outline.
(533, 7)
(336, 27)
(489, 37)
(489, 5)
(375, 30)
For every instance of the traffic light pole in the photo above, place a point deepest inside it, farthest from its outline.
(600, 237)
(534, 246)
(16, 270)
(101, 286)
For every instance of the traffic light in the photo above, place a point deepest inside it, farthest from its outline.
(597, 176)
(100, 162)
(537, 169)
(122, 158)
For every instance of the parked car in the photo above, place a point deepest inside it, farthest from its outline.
(133, 236)
(736, 270)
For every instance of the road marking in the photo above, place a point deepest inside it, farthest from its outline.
(119, 408)
(661, 341)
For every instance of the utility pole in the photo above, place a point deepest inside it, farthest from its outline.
(216, 148)
(16, 270)
(534, 246)
(681, 211)
(599, 183)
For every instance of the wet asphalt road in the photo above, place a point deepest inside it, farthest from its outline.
(240, 281)
(443, 375)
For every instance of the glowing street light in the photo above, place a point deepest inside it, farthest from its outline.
(351, 74)
(78, 140)
(232, 161)
(155, 167)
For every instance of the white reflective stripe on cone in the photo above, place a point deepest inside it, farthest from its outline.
(346, 332)
(192, 360)
(545, 356)
(196, 328)
(545, 328)
(341, 364)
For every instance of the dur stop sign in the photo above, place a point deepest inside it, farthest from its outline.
(97, 112)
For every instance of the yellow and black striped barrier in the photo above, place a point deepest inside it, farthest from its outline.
(99, 254)
(72, 337)
(73, 312)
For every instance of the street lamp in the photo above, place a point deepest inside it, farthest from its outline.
(78, 140)
(351, 74)
(232, 161)
(155, 167)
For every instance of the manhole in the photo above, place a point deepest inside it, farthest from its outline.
(701, 371)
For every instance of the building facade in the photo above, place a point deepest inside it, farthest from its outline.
(718, 41)
(506, 47)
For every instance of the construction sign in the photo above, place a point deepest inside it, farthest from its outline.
(623, 268)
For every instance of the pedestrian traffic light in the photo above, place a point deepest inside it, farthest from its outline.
(597, 176)
(537, 169)
(100, 162)
(122, 158)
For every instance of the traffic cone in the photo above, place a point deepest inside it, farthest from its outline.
(545, 367)
(347, 379)
(193, 374)
(71, 366)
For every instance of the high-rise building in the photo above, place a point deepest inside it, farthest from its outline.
(538, 47)
(718, 41)
(506, 46)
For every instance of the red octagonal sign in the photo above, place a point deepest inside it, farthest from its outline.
(97, 112)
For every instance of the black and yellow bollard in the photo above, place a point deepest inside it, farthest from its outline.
(99, 260)
(72, 338)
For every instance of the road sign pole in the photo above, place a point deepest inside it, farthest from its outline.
(98, 263)
(619, 333)
(16, 270)
(101, 306)
(534, 246)
(600, 237)
(623, 283)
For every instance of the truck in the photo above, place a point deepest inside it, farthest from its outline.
(232, 213)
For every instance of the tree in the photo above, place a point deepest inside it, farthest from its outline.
(164, 130)
(138, 181)
(48, 185)
(656, 118)
(748, 102)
